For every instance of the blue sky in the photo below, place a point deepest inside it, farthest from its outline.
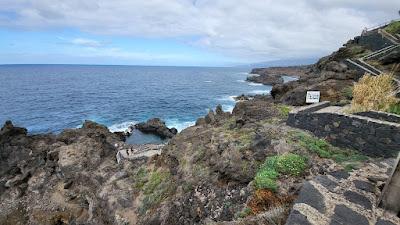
(181, 32)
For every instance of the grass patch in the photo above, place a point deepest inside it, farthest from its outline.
(140, 178)
(348, 92)
(325, 150)
(394, 108)
(289, 164)
(155, 190)
(284, 110)
(393, 27)
(244, 213)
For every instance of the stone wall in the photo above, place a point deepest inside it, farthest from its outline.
(373, 40)
(370, 136)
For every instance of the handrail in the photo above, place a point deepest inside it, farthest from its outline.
(381, 25)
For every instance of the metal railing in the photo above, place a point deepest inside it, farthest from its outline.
(381, 25)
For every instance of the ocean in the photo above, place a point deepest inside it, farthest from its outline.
(50, 98)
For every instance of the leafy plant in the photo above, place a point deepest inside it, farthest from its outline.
(284, 110)
(289, 164)
(395, 108)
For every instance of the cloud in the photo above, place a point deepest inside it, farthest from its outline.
(86, 42)
(248, 29)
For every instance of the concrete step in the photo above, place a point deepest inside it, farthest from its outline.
(380, 52)
(368, 66)
(365, 69)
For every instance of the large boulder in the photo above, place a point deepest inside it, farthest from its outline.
(156, 126)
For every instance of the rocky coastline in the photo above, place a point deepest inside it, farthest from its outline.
(247, 167)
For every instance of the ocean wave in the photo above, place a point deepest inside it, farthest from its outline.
(179, 125)
(119, 127)
(254, 84)
(208, 81)
(228, 108)
(230, 98)
(260, 92)
(240, 81)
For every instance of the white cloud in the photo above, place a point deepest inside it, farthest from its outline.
(86, 42)
(248, 29)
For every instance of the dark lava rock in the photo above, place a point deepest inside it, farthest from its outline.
(363, 185)
(340, 174)
(311, 196)
(384, 222)
(156, 126)
(9, 129)
(344, 215)
(326, 182)
(356, 198)
(296, 218)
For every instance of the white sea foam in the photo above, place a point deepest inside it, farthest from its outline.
(208, 81)
(230, 98)
(119, 127)
(254, 84)
(227, 108)
(240, 81)
(179, 125)
(260, 92)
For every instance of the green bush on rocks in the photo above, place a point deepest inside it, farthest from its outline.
(288, 164)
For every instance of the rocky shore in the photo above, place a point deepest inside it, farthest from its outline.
(273, 75)
(207, 174)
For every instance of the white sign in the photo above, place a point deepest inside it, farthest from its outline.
(312, 96)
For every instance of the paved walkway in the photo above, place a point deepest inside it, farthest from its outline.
(342, 198)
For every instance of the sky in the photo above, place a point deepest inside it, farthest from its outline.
(181, 32)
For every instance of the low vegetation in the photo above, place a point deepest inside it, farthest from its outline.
(288, 164)
(393, 28)
(374, 93)
(155, 189)
(323, 149)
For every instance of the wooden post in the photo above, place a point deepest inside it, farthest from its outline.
(390, 198)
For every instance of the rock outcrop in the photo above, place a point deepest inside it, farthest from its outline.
(156, 126)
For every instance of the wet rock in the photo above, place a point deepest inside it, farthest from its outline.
(156, 126)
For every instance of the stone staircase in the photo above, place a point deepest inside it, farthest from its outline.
(344, 198)
(389, 36)
(361, 63)
(380, 52)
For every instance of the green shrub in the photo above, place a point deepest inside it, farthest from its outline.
(156, 189)
(394, 108)
(284, 110)
(324, 150)
(266, 179)
(289, 164)
(348, 92)
(393, 27)
(244, 213)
